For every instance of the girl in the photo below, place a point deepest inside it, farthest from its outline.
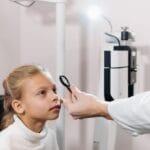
(30, 100)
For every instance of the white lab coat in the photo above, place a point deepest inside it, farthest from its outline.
(132, 113)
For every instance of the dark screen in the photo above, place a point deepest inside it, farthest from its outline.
(1, 106)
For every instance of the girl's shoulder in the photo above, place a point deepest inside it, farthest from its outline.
(6, 133)
(5, 138)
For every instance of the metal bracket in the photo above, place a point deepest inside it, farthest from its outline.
(28, 3)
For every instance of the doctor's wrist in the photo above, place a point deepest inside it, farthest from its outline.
(103, 110)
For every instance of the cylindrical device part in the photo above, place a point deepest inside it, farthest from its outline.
(124, 35)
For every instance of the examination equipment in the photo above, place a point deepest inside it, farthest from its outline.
(120, 67)
(65, 82)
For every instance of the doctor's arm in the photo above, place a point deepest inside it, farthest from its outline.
(132, 113)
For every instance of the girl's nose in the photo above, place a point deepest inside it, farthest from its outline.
(56, 98)
(59, 101)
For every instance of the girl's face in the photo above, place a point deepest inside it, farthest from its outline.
(39, 99)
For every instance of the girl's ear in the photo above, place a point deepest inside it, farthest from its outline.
(18, 106)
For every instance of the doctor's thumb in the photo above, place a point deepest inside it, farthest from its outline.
(75, 90)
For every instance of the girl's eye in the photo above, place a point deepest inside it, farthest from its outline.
(54, 90)
(43, 92)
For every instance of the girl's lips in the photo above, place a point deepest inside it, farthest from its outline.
(57, 108)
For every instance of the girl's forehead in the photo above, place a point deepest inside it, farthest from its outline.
(47, 75)
(39, 80)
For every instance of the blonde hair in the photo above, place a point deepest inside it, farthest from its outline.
(13, 86)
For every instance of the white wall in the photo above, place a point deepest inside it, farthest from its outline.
(27, 35)
(9, 39)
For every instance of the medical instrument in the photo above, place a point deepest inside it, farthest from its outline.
(65, 82)
(120, 65)
(119, 77)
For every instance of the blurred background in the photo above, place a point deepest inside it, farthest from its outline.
(28, 35)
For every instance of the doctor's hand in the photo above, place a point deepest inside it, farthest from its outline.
(83, 105)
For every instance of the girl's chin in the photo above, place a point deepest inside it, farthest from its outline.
(54, 117)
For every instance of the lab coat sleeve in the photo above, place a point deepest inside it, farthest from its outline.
(132, 113)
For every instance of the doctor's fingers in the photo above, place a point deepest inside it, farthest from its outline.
(75, 90)
(68, 100)
(75, 117)
(70, 108)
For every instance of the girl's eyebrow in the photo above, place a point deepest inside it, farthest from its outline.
(53, 86)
